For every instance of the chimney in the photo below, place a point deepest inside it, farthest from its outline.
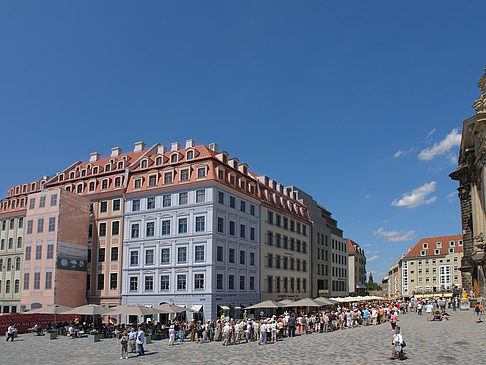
(139, 146)
(94, 156)
(213, 146)
(190, 143)
(161, 150)
(175, 147)
(115, 151)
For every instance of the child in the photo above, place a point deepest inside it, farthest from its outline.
(124, 345)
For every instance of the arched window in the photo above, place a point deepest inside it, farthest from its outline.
(158, 161)
(17, 264)
(19, 242)
(190, 155)
(7, 286)
(9, 264)
(17, 286)
(173, 158)
(10, 243)
(120, 164)
(144, 164)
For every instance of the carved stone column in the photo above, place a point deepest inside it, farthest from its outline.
(467, 234)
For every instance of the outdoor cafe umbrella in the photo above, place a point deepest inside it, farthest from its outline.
(285, 301)
(132, 310)
(171, 308)
(89, 310)
(265, 304)
(306, 302)
(325, 301)
(50, 309)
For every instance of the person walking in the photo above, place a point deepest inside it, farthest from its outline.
(171, 335)
(479, 311)
(263, 330)
(11, 333)
(429, 309)
(124, 345)
(140, 342)
(292, 326)
(132, 340)
(398, 345)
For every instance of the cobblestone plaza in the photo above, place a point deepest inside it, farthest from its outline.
(458, 340)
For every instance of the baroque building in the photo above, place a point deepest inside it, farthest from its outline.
(471, 175)
(356, 268)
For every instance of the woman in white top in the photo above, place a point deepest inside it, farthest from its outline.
(397, 343)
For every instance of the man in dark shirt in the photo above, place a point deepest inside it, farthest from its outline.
(292, 326)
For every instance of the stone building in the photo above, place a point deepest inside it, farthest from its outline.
(356, 268)
(472, 194)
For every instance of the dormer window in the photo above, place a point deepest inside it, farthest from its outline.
(173, 158)
(225, 158)
(267, 181)
(221, 174)
(68, 188)
(189, 155)
(107, 168)
(32, 186)
(425, 246)
(438, 245)
(71, 175)
(158, 161)
(120, 165)
(451, 244)
(459, 243)
(422, 253)
(83, 173)
(243, 185)
(24, 188)
(201, 172)
(61, 177)
(232, 179)
(95, 170)
(143, 164)
(274, 185)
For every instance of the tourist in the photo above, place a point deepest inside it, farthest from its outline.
(132, 340)
(171, 335)
(429, 309)
(226, 334)
(140, 341)
(11, 331)
(124, 345)
(292, 326)
(263, 331)
(479, 311)
(398, 344)
(38, 329)
(393, 320)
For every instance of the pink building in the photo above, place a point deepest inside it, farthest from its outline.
(55, 250)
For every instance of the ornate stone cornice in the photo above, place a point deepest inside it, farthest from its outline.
(480, 104)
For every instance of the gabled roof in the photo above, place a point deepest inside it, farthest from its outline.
(431, 242)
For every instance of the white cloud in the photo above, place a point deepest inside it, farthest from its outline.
(398, 153)
(452, 195)
(431, 132)
(372, 258)
(452, 140)
(367, 196)
(395, 236)
(366, 245)
(417, 196)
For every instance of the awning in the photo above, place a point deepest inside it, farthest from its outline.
(223, 307)
(197, 307)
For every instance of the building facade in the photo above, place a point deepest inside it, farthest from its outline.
(432, 266)
(357, 268)
(470, 174)
(55, 250)
(395, 279)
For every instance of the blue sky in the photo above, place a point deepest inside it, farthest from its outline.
(344, 99)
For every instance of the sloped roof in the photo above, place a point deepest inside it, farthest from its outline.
(432, 243)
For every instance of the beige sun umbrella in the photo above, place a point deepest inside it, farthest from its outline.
(265, 304)
(286, 301)
(132, 310)
(89, 310)
(171, 308)
(325, 301)
(306, 302)
(50, 309)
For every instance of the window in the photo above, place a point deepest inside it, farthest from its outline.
(190, 155)
(243, 206)
(181, 282)
(183, 198)
(26, 280)
(200, 196)
(133, 258)
(52, 224)
(219, 281)
(437, 251)
(17, 286)
(9, 264)
(102, 230)
(451, 250)
(182, 225)
(103, 207)
(231, 282)
(242, 231)
(181, 254)
(42, 203)
(252, 233)
(113, 281)
(40, 225)
(37, 280)
(242, 257)
(199, 253)
(115, 228)
(152, 180)
(232, 230)
(30, 224)
(136, 205)
(168, 178)
(135, 230)
(198, 281)
(114, 254)
(137, 184)
(150, 229)
(166, 201)
(117, 183)
(48, 283)
(270, 260)
(53, 200)
(220, 253)
(151, 203)
(21, 222)
(242, 282)
(104, 184)
(149, 257)
(269, 238)
(17, 264)
(270, 217)
(165, 227)
(91, 186)
(28, 250)
(220, 225)
(220, 197)
(164, 255)
(7, 287)
(31, 204)
(200, 224)
(116, 205)
(232, 201)
(149, 283)
(101, 254)
(269, 284)
(231, 257)
(201, 172)
(10, 243)
(38, 252)
(50, 251)
(184, 176)
(252, 283)
(252, 258)
(252, 209)
(133, 283)
(164, 282)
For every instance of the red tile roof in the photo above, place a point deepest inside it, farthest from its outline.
(432, 243)
(351, 245)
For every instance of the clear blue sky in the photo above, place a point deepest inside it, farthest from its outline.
(337, 97)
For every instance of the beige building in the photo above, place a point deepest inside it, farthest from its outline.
(471, 174)
(357, 268)
(395, 280)
(432, 266)
(285, 244)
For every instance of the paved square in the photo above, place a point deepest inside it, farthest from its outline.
(459, 340)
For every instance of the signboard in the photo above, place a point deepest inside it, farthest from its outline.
(24, 321)
(71, 257)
